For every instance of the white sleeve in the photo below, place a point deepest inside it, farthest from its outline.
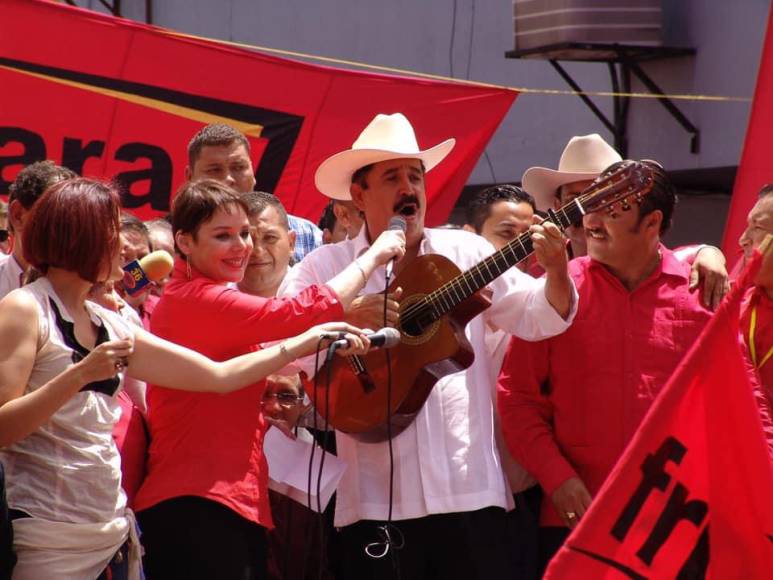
(520, 307)
(300, 276)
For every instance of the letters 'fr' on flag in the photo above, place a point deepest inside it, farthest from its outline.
(692, 496)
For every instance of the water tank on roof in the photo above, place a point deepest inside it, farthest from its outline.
(540, 23)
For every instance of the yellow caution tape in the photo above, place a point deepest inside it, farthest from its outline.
(524, 90)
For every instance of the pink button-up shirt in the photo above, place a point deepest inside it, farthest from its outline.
(570, 404)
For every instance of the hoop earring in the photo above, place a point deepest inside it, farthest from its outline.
(188, 267)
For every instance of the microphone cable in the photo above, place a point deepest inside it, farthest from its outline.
(309, 481)
(283, 562)
(388, 545)
(325, 443)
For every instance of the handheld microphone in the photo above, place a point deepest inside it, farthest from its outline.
(151, 268)
(384, 338)
(396, 223)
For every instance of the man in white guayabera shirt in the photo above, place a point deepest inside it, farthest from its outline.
(450, 494)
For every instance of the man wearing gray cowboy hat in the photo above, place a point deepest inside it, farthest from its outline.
(450, 495)
(584, 158)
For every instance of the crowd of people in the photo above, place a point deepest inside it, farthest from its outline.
(115, 403)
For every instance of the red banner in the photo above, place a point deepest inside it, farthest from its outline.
(691, 497)
(113, 98)
(755, 169)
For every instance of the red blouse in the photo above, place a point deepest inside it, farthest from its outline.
(206, 444)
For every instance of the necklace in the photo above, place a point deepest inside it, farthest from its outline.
(752, 346)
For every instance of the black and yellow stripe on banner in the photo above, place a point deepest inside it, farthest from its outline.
(280, 129)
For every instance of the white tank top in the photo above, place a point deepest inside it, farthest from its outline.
(69, 469)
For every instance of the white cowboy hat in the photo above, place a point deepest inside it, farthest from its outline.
(386, 137)
(583, 158)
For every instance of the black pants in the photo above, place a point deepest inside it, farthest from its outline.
(467, 546)
(551, 538)
(7, 556)
(523, 523)
(195, 538)
(297, 548)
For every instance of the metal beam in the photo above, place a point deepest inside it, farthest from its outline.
(585, 98)
(622, 60)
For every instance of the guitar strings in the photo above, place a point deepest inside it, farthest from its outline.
(442, 295)
(461, 284)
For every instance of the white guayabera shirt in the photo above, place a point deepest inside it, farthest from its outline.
(446, 460)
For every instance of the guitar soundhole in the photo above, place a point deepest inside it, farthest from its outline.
(411, 327)
(417, 322)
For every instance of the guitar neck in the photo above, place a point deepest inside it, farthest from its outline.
(455, 291)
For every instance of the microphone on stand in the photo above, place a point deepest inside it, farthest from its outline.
(396, 223)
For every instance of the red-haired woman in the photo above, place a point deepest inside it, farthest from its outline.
(62, 361)
(203, 507)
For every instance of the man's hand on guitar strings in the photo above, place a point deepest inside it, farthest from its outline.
(549, 245)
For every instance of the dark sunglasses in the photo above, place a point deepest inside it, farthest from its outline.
(4, 236)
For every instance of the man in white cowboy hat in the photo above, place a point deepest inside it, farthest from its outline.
(583, 159)
(450, 495)
(570, 404)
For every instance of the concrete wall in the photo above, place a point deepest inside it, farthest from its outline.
(468, 39)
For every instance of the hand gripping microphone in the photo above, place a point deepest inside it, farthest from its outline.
(384, 338)
(396, 223)
(151, 268)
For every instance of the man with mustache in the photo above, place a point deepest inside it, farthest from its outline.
(448, 502)
(757, 315)
(571, 403)
(582, 160)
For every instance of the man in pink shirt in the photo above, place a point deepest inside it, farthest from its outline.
(582, 160)
(570, 404)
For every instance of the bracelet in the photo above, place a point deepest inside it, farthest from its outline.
(362, 271)
(284, 351)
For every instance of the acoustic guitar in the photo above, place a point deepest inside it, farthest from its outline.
(438, 301)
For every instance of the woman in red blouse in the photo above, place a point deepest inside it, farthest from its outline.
(203, 507)
(63, 360)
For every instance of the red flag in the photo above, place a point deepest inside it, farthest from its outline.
(755, 169)
(110, 97)
(692, 495)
